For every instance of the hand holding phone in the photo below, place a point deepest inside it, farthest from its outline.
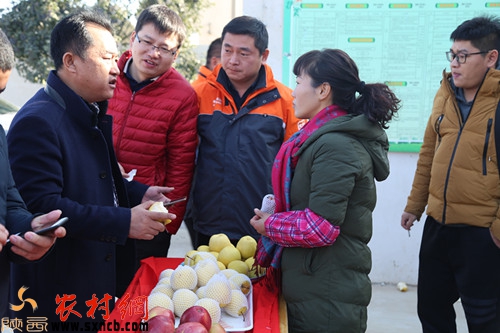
(51, 227)
(47, 229)
(173, 202)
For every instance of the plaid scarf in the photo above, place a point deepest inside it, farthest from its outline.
(268, 252)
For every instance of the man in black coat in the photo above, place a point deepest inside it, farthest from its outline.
(61, 154)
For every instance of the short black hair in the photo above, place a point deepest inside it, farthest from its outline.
(214, 50)
(483, 32)
(250, 26)
(71, 34)
(164, 19)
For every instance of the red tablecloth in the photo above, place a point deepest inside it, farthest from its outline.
(265, 301)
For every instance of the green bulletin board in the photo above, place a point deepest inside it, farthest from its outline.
(400, 43)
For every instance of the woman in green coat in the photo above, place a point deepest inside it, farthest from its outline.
(324, 188)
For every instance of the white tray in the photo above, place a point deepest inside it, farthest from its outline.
(235, 324)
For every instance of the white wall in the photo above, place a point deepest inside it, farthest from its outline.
(271, 13)
(215, 17)
(395, 255)
(17, 92)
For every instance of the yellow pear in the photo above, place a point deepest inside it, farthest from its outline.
(221, 265)
(201, 291)
(218, 241)
(241, 282)
(183, 277)
(247, 245)
(238, 266)
(158, 207)
(212, 307)
(217, 328)
(219, 288)
(229, 272)
(160, 299)
(164, 289)
(250, 262)
(199, 256)
(254, 269)
(183, 299)
(238, 305)
(189, 257)
(165, 273)
(205, 269)
(228, 254)
(203, 248)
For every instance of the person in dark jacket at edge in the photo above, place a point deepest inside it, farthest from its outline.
(213, 59)
(61, 155)
(14, 217)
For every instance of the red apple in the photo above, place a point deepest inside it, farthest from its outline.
(197, 314)
(191, 327)
(217, 328)
(159, 310)
(161, 324)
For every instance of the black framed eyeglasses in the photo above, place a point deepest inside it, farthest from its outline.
(146, 44)
(461, 57)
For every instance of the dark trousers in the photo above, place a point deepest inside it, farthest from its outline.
(157, 247)
(458, 262)
(189, 221)
(201, 239)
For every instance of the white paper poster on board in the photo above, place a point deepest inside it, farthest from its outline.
(402, 44)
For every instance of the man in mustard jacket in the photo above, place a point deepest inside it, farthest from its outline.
(457, 178)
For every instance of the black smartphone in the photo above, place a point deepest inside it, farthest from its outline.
(56, 224)
(46, 230)
(173, 202)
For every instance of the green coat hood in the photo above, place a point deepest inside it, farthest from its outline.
(371, 135)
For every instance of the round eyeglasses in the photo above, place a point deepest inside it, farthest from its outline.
(146, 44)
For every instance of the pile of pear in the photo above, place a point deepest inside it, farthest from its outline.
(216, 276)
(239, 258)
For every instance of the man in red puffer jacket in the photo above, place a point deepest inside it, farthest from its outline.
(154, 113)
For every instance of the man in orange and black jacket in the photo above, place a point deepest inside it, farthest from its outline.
(245, 115)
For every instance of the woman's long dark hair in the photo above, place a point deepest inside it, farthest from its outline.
(376, 101)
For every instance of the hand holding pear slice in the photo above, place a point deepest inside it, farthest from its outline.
(159, 207)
